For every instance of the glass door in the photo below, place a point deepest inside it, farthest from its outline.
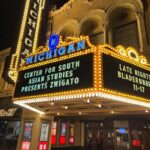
(122, 139)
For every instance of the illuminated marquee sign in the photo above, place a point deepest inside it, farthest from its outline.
(30, 30)
(28, 36)
(52, 53)
(76, 67)
(124, 77)
(9, 113)
(65, 75)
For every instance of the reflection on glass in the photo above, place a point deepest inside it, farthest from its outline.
(44, 132)
(122, 138)
(136, 138)
(27, 131)
(54, 133)
(71, 133)
(62, 140)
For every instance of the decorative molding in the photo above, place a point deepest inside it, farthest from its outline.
(65, 7)
(73, 23)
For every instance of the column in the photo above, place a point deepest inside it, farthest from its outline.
(106, 32)
(142, 32)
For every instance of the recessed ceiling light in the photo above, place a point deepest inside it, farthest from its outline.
(80, 113)
(88, 100)
(146, 111)
(112, 112)
(66, 107)
(99, 105)
(52, 104)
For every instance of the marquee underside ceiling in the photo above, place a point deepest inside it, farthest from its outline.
(85, 107)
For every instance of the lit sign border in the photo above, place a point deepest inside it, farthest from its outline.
(13, 70)
(97, 73)
(97, 90)
(108, 50)
(85, 90)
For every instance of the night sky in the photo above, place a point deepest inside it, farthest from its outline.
(11, 12)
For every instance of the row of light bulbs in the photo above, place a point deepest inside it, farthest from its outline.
(88, 95)
(112, 112)
(66, 107)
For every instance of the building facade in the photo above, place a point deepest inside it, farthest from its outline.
(115, 22)
(10, 114)
(80, 121)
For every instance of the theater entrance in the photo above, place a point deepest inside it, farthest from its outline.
(94, 136)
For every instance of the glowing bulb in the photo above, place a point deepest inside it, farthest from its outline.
(112, 112)
(52, 104)
(66, 107)
(80, 113)
(146, 111)
(99, 105)
(88, 100)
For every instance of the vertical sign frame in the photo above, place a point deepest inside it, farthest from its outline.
(28, 35)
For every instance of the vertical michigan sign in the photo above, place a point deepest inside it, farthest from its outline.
(28, 37)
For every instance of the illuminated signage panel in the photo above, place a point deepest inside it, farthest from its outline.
(30, 28)
(125, 77)
(54, 133)
(7, 112)
(65, 75)
(27, 131)
(25, 145)
(53, 53)
(62, 138)
(43, 145)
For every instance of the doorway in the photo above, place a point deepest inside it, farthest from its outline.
(94, 136)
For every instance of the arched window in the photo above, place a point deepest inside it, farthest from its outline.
(68, 28)
(93, 28)
(67, 31)
(123, 28)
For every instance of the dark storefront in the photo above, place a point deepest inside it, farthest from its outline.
(10, 116)
(112, 133)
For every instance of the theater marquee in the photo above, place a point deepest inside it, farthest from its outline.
(66, 75)
(70, 68)
(74, 68)
(125, 77)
